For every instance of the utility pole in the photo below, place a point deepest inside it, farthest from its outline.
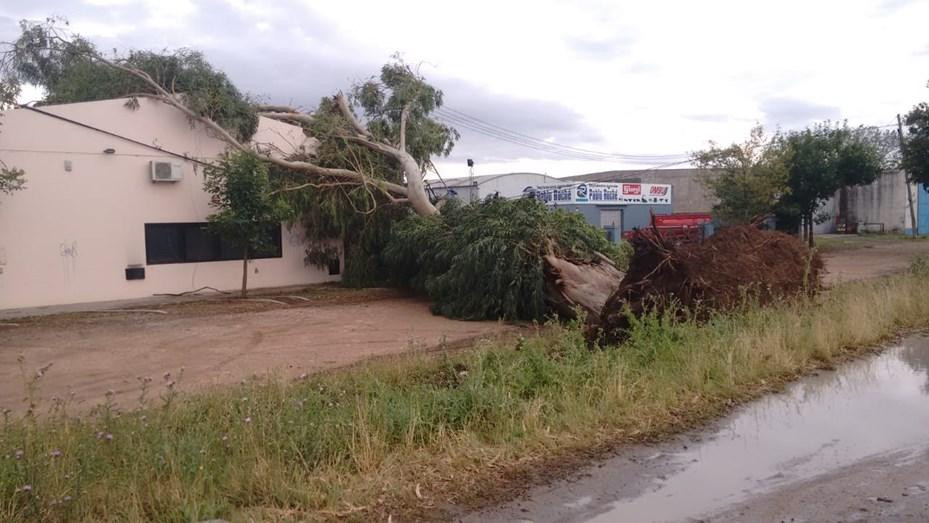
(471, 186)
(906, 178)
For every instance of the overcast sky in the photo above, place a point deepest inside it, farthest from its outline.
(642, 77)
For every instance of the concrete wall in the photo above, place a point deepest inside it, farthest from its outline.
(882, 202)
(68, 237)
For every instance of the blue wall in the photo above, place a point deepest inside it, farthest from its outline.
(634, 216)
(922, 209)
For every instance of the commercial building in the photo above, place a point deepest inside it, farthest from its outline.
(474, 188)
(114, 207)
(617, 208)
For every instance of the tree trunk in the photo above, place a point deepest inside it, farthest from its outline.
(416, 190)
(809, 226)
(244, 271)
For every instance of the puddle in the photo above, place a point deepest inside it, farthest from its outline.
(820, 424)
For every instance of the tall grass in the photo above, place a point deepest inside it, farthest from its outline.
(413, 434)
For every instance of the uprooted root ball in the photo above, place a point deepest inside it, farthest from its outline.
(737, 263)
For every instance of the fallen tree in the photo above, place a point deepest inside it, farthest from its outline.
(737, 264)
(510, 259)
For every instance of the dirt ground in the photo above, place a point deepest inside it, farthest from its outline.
(223, 340)
(90, 354)
(859, 257)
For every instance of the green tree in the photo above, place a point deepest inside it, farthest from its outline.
(360, 216)
(247, 207)
(747, 179)
(820, 161)
(916, 146)
(71, 69)
(11, 178)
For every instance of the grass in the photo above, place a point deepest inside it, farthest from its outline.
(407, 437)
(843, 242)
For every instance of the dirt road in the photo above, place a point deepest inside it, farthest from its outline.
(860, 257)
(223, 341)
(91, 354)
(844, 445)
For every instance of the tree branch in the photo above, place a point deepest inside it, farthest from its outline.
(314, 185)
(301, 118)
(275, 109)
(346, 111)
(404, 115)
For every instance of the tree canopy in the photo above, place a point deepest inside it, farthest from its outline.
(916, 145)
(246, 207)
(485, 260)
(69, 72)
(747, 179)
(823, 159)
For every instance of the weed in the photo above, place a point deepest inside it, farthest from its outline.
(421, 431)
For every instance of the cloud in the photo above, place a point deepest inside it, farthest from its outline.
(888, 6)
(600, 49)
(539, 119)
(709, 117)
(790, 113)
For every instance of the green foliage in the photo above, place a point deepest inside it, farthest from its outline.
(270, 449)
(748, 179)
(824, 159)
(361, 215)
(68, 71)
(241, 194)
(485, 260)
(920, 266)
(11, 179)
(916, 146)
(382, 102)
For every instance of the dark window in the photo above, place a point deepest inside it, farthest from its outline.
(193, 242)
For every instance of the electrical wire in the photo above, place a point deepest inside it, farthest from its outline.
(458, 118)
(477, 121)
(543, 146)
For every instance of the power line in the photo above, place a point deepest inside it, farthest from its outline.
(477, 121)
(543, 146)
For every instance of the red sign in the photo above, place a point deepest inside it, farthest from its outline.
(632, 189)
(658, 190)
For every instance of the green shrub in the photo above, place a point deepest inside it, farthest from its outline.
(485, 260)
(920, 265)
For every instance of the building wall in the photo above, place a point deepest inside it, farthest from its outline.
(634, 216)
(882, 202)
(68, 237)
(508, 185)
(689, 194)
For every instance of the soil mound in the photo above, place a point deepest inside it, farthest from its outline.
(735, 264)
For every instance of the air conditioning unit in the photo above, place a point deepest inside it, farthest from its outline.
(166, 171)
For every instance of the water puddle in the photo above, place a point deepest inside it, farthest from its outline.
(873, 407)
(822, 423)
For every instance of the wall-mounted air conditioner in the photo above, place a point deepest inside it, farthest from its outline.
(166, 171)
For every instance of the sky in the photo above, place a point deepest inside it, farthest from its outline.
(648, 77)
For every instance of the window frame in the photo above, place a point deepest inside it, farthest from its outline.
(217, 246)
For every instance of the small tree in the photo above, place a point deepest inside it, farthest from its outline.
(822, 160)
(11, 178)
(916, 146)
(246, 206)
(747, 179)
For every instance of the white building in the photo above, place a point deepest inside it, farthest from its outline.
(469, 189)
(92, 225)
